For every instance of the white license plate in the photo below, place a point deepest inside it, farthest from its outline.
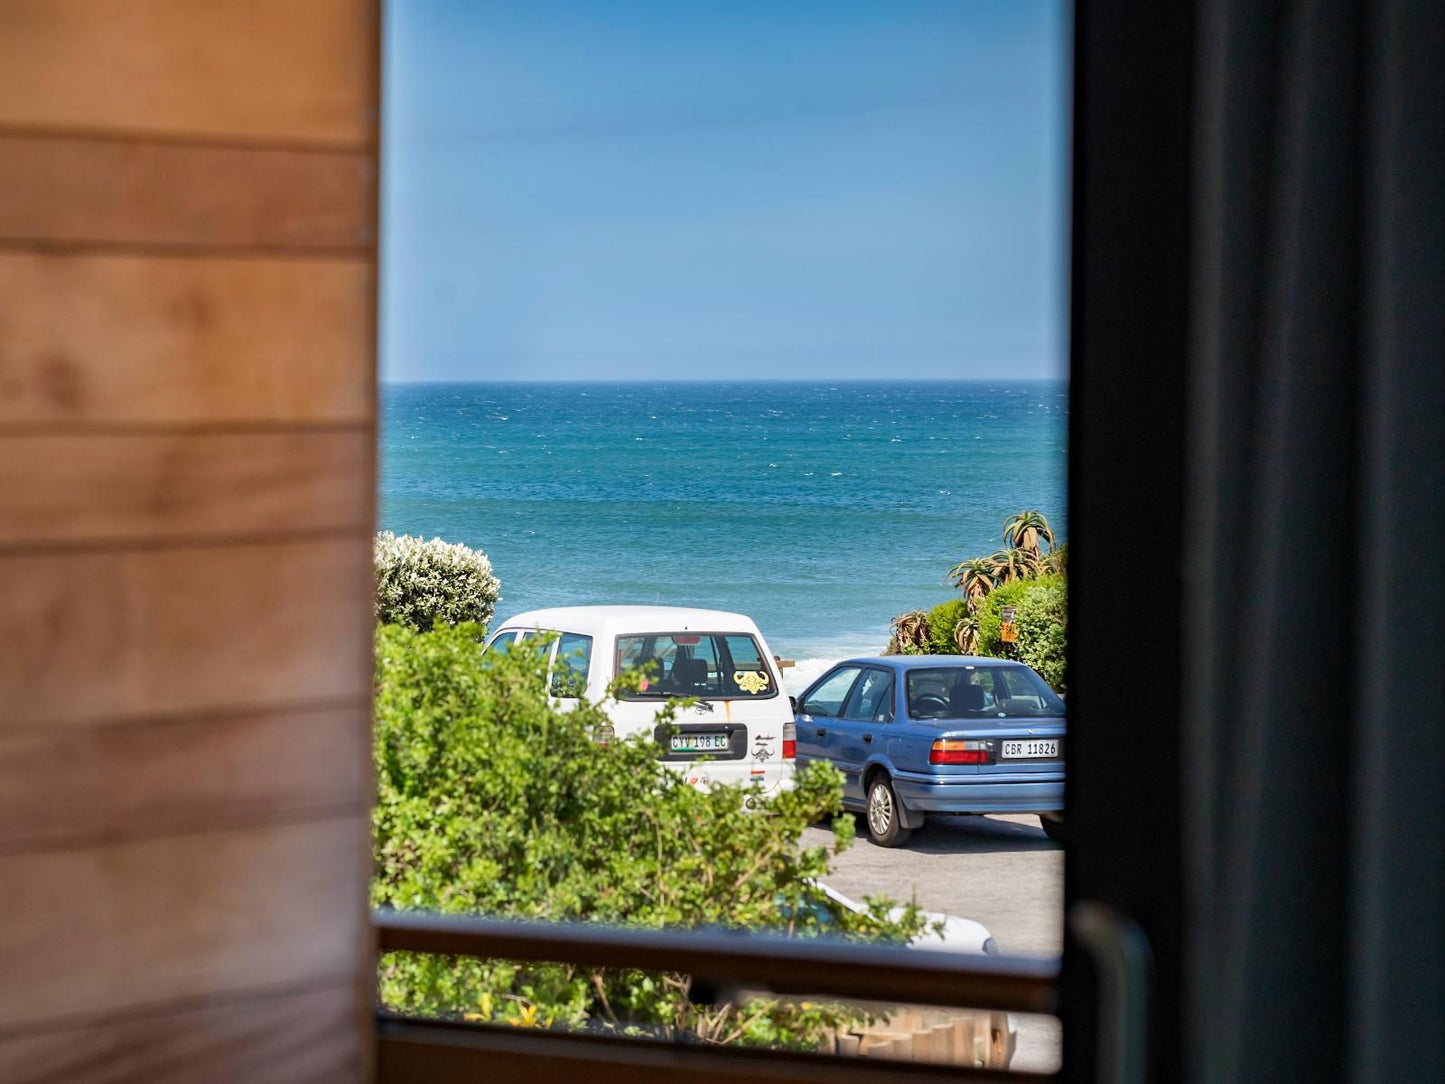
(1041, 749)
(698, 743)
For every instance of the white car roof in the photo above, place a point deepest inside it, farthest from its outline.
(620, 620)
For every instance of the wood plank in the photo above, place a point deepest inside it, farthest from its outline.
(315, 1035)
(108, 928)
(130, 634)
(223, 68)
(116, 338)
(147, 778)
(114, 192)
(133, 487)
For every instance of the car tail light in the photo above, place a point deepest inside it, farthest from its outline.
(790, 741)
(954, 751)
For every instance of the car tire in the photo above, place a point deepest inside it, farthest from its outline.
(884, 816)
(1053, 826)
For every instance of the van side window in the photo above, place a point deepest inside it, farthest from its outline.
(502, 640)
(569, 670)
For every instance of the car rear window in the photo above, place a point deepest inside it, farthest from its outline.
(712, 666)
(979, 692)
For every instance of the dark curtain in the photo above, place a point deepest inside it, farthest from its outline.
(1314, 569)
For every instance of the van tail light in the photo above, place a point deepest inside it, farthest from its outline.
(954, 751)
(790, 741)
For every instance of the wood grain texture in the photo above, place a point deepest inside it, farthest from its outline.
(91, 637)
(127, 781)
(117, 192)
(311, 1036)
(136, 924)
(187, 394)
(241, 69)
(138, 487)
(88, 339)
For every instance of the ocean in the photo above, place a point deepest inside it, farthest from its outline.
(820, 510)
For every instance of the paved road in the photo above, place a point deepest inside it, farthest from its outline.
(1001, 871)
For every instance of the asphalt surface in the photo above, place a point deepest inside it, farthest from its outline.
(999, 870)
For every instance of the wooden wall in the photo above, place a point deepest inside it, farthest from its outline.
(187, 406)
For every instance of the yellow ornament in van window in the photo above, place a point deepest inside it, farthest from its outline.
(750, 681)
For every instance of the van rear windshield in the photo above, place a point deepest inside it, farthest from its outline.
(711, 666)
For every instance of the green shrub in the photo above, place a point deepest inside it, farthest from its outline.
(1042, 615)
(419, 583)
(943, 619)
(492, 801)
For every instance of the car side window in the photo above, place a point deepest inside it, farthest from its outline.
(872, 699)
(828, 696)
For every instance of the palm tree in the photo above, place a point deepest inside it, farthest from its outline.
(1026, 529)
(974, 577)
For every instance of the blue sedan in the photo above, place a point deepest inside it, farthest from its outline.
(919, 734)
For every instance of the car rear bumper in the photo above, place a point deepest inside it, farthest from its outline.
(1030, 793)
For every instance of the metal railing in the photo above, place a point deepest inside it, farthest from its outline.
(719, 962)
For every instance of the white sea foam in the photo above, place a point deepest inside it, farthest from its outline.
(801, 674)
(811, 659)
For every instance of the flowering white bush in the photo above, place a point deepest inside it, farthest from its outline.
(420, 582)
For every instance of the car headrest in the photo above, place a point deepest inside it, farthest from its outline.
(966, 696)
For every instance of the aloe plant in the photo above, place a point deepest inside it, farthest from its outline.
(1026, 529)
(974, 577)
(910, 634)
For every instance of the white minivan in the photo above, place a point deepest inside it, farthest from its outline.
(740, 730)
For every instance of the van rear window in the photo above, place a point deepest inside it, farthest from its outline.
(711, 666)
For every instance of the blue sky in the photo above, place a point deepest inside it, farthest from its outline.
(620, 189)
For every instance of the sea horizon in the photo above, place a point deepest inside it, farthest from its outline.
(821, 508)
(999, 381)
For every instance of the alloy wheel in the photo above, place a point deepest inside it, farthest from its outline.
(880, 810)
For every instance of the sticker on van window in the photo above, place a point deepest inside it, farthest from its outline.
(750, 681)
